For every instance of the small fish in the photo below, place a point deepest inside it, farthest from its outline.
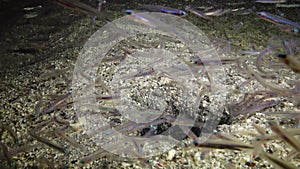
(290, 30)
(223, 144)
(138, 146)
(217, 12)
(131, 12)
(263, 82)
(251, 52)
(140, 18)
(5, 153)
(235, 3)
(290, 61)
(109, 97)
(222, 61)
(32, 8)
(259, 129)
(42, 125)
(60, 133)
(262, 106)
(59, 120)
(48, 142)
(287, 5)
(163, 9)
(197, 12)
(144, 72)
(84, 8)
(30, 15)
(77, 5)
(225, 137)
(278, 20)
(284, 135)
(11, 132)
(115, 58)
(287, 114)
(243, 12)
(92, 157)
(54, 105)
(22, 149)
(270, 1)
(278, 162)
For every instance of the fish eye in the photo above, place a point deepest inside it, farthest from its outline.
(183, 13)
(282, 55)
(129, 12)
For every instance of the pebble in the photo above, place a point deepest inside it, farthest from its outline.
(197, 156)
(171, 154)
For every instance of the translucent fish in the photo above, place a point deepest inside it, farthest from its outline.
(78, 6)
(259, 129)
(197, 12)
(217, 12)
(270, 1)
(290, 61)
(163, 9)
(54, 105)
(278, 162)
(5, 153)
(139, 18)
(48, 143)
(278, 20)
(60, 133)
(92, 157)
(11, 132)
(223, 144)
(284, 135)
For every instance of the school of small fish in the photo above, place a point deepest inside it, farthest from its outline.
(283, 51)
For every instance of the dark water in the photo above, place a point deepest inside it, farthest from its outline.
(29, 37)
(53, 19)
